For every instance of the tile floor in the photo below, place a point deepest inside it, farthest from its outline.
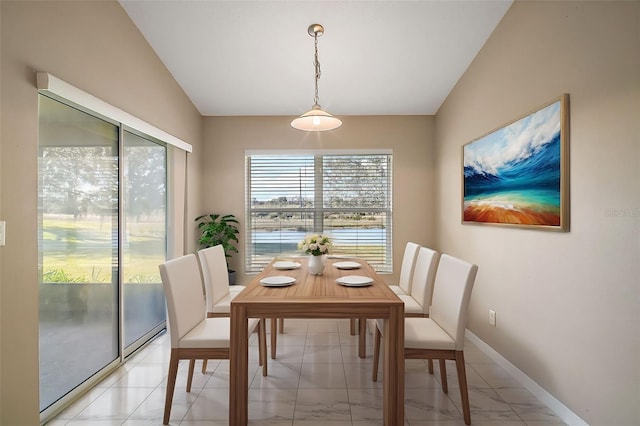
(317, 380)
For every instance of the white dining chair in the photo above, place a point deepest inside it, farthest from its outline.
(193, 335)
(218, 293)
(441, 336)
(406, 270)
(417, 303)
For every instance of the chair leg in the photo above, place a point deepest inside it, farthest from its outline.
(204, 366)
(443, 376)
(274, 337)
(262, 341)
(462, 382)
(281, 325)
(171, 384)
(376, 354)
(192, 364)
(352, 326)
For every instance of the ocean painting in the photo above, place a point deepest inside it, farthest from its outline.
(514, 175)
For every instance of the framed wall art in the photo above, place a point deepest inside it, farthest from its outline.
(518, 175)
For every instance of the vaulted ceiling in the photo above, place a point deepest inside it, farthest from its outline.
(377, 57)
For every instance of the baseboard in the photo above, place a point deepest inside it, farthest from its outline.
(561, 410)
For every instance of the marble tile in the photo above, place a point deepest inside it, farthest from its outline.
(474, 380)
(211, 404)
(118, 374)
(212, 364)
(316, 380)
(460, 422)
(281, 376)
(288, 339)
(323, 339)
(322, 404)
(81, 403)
(272, 404)
(427, 404)
(322, 376)
(344, 325)
(346, 339)
(58, 422)
(95, 422)
(152, 408)
(526, 405)
(154, 354)
(416, 375)
(320, 326)
(366, 404)
(142, 422)
(295, 326)
(350, 354)
(358, 376)
(485, 404)
(143, 376)
(288, 355)
(198, 382)
(322, 354)
(114, 403)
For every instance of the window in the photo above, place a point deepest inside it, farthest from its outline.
(345, 195)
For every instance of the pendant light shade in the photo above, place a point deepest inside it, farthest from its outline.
(316, 120)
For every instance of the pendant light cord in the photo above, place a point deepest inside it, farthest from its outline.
(316, 63)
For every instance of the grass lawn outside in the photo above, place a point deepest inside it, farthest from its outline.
(81, 250)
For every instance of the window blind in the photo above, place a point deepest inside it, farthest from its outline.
(346, 195)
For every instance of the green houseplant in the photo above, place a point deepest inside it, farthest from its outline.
(216, 229)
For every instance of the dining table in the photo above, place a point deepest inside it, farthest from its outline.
(346, 288)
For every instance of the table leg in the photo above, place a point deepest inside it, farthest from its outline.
(362, 338)
(274, 337)
(393, 387)
(238, 364)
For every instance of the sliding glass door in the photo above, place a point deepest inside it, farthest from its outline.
(102, 233)
(144, 243)
(78, 251)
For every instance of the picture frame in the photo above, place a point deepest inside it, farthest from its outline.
(518, 175)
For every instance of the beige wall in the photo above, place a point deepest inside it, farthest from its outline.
(567, 303)
(568, 312)
(410, 137)
(94, 46)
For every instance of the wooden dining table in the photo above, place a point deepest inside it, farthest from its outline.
(319, 296)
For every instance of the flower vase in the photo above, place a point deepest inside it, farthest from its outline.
(316, 264)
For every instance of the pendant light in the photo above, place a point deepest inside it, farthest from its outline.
(316, 120)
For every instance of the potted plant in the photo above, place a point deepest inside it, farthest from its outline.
(216, 229)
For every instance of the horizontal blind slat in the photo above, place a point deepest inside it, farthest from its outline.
(282, 198)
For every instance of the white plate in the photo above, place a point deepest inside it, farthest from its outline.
(277, 281)
(347, 265)
(285, 264)
(355, 281)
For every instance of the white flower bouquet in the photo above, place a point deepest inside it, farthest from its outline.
(315, 245)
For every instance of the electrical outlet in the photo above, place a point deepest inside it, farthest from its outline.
(2, 232)
(492, 317)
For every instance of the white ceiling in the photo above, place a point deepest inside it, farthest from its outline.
(256, 57)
